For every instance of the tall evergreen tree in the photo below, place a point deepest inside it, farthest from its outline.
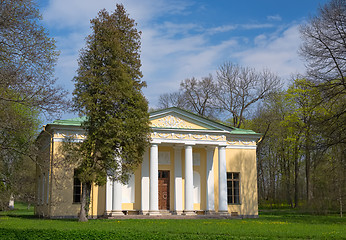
(108, 92)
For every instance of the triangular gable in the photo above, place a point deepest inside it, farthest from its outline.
(176, 118)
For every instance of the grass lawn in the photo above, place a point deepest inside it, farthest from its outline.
(284, 224)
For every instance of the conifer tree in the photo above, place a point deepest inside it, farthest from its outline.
(108, 93)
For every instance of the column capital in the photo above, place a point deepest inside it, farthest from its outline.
(210, 147)
(178, 147)
(186, 146)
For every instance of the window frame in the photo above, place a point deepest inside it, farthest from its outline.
(232, 198)
(76, 185)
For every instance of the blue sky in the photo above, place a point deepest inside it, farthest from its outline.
(183, 39)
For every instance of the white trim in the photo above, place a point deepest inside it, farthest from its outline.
(210, 179)
(188, 142)
(145, 182)
(117, 196)
(241, 146)
(222, 179)
(109, 194)
(154, 194)
(178, 180)
(188, 178)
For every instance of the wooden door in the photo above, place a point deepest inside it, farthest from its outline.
(163, 190)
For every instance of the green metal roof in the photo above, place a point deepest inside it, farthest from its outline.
(79, 120)
(71, 122)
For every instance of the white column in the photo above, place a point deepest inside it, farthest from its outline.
(154, 182)
(188, 180)
(145, 184)
(117, 199)
(178, 181)
(210, 180)
(222, 181)
(109, 196)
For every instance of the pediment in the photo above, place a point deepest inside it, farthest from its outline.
(175, 118)
(173, 121)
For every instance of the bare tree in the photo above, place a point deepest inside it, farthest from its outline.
(198, 95)
(324, 44)
(174, 99)
(194, 95)
(239, 88)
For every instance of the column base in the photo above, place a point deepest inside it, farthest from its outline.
(177, 212)
(210, 212)
(223, 213)
(189, 213)
(107, 213)
(117, 213)
(144, 212)
(154, 213)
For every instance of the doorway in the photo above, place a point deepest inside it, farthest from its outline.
(163, 190)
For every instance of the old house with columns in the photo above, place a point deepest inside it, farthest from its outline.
(193, 166)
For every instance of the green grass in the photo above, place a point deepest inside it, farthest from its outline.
(272, 224)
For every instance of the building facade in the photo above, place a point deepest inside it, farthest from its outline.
(193, 166)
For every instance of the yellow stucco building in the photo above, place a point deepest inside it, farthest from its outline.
(193, 166)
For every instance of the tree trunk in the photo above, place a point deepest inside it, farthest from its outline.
(296, 171)
(307, 165)
(84, 208)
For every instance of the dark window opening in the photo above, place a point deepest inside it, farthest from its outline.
(77, 188)
(233, 188)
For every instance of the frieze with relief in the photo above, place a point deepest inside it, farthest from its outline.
(69, 135)
(205, 137)
(173, 122)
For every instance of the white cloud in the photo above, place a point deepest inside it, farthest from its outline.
(172, 51)
(77, 13)
(278, 53)
(276, 17)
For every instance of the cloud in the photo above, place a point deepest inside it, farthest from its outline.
(276, 17)
(173, 49)
(278, 53)
(231, 27)
(77, 13)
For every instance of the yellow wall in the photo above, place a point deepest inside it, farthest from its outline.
(244, 162)
(62, 186)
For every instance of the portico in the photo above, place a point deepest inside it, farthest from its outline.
(174, 146)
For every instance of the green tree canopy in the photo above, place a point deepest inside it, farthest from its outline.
(108, 92)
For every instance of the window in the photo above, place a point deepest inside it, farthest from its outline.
(77, 188)
(233, 188)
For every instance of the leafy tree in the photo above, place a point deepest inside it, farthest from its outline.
(27, 83)
(108, 92)
(306, 102)
(324, 47)
(27, 59)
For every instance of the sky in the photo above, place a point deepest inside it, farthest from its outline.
(187, 38)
